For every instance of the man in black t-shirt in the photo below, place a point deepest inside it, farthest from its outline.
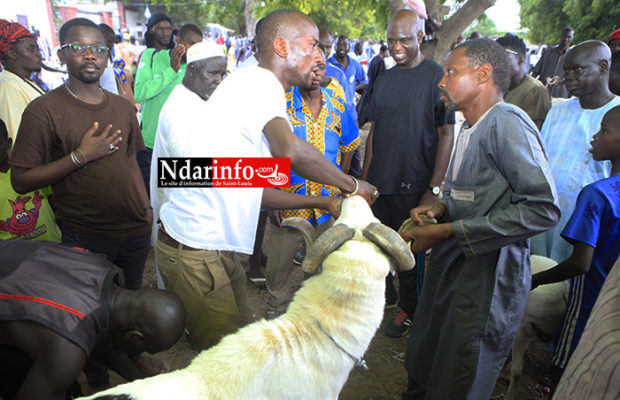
(409, 145)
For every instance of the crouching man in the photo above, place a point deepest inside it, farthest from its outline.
(61, 305)
(498, 193)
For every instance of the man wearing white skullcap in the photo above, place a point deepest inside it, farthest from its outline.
(206, 67)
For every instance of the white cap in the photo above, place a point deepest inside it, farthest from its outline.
(203, 50)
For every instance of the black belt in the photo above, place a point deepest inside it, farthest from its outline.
(170, 241)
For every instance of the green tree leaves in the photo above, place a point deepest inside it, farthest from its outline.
(591, 19)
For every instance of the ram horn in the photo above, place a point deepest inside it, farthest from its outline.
(391, 244)
(327, 243)
(302, 225)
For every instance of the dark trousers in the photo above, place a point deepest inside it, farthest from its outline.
(144, 158)
(129, 254)
(413, 391)
(355, 169)
(392, 210)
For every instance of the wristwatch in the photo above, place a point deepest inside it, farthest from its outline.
(434, 190)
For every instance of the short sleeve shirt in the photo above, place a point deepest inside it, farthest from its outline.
(332, 133)
(355, 75)
(101, 199)
(407, 111)
(233, 122)
(532, 97)
(596, 222)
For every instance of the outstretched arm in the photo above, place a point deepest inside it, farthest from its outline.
(118, 361)
(578, 263)
(308, 162)
(445, 135)
(274, 199)
(53, 371)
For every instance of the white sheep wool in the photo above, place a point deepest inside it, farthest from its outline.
(306, 353)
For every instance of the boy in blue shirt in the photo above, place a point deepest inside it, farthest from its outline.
(594, 232)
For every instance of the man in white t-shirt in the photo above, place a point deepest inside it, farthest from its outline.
(206, 68)
(204, 231)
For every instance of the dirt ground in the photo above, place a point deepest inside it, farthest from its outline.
(386, 376)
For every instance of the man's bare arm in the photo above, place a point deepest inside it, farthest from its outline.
(53, 371)
(274, 199)
(345, 161)
(368, 151)
(92, 148)
(308, 162)
(445, 137)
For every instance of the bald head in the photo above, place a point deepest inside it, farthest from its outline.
(404, 38)
(162, 317)
(407, 19)
(145, 320)
(592, 49)
(285, 24)
(326, 39)
(586, 70)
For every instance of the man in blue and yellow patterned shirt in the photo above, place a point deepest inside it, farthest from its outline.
(318, 116)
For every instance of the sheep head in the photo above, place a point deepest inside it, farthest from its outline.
(356, 222)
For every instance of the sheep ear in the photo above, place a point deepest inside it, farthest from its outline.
(327, 243)
(391, 244)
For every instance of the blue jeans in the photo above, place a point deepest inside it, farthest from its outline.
(128, 253)
(144, 158)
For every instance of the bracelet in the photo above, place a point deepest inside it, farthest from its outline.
(84, 161)
(75, 160)
(357, 186)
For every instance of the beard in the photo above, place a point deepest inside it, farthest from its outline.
(450, 104)
(88, 77)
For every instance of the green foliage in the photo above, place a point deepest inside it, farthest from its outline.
(229, 13)
(354, 18)
(591, 19)
(485, 25)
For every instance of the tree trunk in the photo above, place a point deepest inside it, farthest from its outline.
(250, 20)
(450, 28)
(395, 5)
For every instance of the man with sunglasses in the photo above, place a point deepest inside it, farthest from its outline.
(524, 92)
(83, 140)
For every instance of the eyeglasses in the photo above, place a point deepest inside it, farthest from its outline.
(511, 52)
(77, 49)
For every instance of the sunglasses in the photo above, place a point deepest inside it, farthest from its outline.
(511, 52)
(77, 49)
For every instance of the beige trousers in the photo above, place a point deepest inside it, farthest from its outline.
(212, 287)
(284, 244)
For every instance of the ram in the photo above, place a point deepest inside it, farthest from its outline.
(310, 350)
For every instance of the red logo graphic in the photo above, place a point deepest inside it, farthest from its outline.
(224, 172)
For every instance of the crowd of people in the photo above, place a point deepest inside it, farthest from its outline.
(537, 157)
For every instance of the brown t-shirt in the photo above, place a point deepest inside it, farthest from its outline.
(532, 97)
(101, 199)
